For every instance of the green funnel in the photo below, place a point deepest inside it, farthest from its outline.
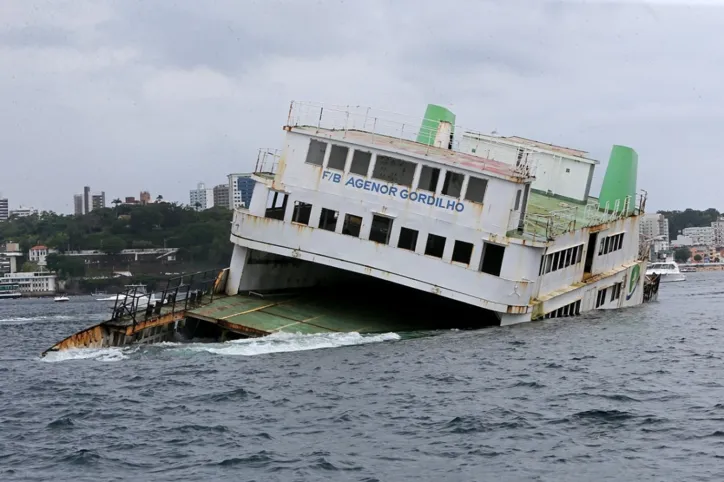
(620, 180)
(433, 115)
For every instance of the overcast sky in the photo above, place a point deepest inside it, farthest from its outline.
(134, 95)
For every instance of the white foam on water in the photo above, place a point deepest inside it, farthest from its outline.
(284, 342)
(113, 354)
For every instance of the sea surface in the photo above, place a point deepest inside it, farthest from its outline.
(635, 394)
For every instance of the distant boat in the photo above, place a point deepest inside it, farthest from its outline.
(61, 298)
(9, 291)
(668, 270)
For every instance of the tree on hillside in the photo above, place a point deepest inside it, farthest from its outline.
(116, 202)
(29, 267)
(66, 266)
(159, 198)
(682, 255)
(113, 245)
(697, 257)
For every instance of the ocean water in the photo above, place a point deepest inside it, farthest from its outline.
(634, 394)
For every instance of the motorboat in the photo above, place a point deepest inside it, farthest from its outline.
(61, 298)
(668, 270)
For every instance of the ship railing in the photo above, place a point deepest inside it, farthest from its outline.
(382, 124)
(180, 294)
(267, 161)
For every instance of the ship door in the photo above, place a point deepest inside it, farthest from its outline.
(590, 253)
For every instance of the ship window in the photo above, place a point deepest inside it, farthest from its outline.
(603, 244)
(352, 225)
(428, 178)
(328, 219)
(569, 252)
(492, 260)
(408, 239)
(453, 184)
(476, 189)
(360, 163)
(381, 229)
(549, 262)
(276, 205)
(435, 245)
(301, 212)
(616, 291)
(394, 170)
(601, 298)
(462, 252)
(337, 157)
(555, 261)
(562, 260)
(517, 200)
(315, 154)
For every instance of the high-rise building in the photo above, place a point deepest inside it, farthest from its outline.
(4, 209)
(87, 200)
(221, 195)
(98, 200)
(201, 198)
(78, 204)
(145, 197)
(241, 187)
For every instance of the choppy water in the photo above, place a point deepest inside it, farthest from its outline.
(629, 395)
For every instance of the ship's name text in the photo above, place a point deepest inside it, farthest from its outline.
(395, 191)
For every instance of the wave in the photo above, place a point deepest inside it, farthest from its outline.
(284, 342)
(21, 320)
(111, 354)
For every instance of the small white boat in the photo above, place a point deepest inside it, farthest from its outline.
(61, 298)
(668, 270)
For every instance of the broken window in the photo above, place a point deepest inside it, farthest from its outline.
(435, 245)
(428, 178)
(360, 163)
(394, 170)
(381, 229)
(408, 239)
(301, 213)
(276, 205)
(453, 184)
(337, 157)
(352, 225)
(462, 252)
(315, 154)
(492, 260)
(328, 219)
(476, 189)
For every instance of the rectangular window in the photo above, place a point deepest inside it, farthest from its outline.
(435, 245)
(301, 212)
(276, 205)
(601, 298)
(328, 219)
(428, 178)
(381, 229)
(517, 200)
(562, 260)
(616, 291)
(394, 170)
(476, 189)
(337, 157)
(492, 260)
(603, 244)
(555, 262)
(408, 239)
(352, 225)
(315, 154)
(360, 163)
(453, 184)
(569, 252)
(462, 252)
(549, 264)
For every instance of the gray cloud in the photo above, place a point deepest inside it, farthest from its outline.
(125, 95)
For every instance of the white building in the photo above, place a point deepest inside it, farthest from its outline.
(681, 241)
(37, 283)
(241, 187)
(38, 254)
(23, 212)
(558, 171)
(201, 198)
(655, 225)
(700, 236)
(718, 226)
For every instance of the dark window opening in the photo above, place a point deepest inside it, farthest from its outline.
(381, 229)
(555, 261)
(428, 178)
(301, 213)
(352, 225)
(276, 205)
(517, 200)
(394, 170)
(492, 261)
(328, 219)
(360, 163)
(408, 239)
(590, 252)
(435, 245)
(315, 154)
(337, 157)
(476, 189)
(462, 252)
(453, 184)
(601, 298)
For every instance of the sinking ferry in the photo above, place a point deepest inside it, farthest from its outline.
(370, 221)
